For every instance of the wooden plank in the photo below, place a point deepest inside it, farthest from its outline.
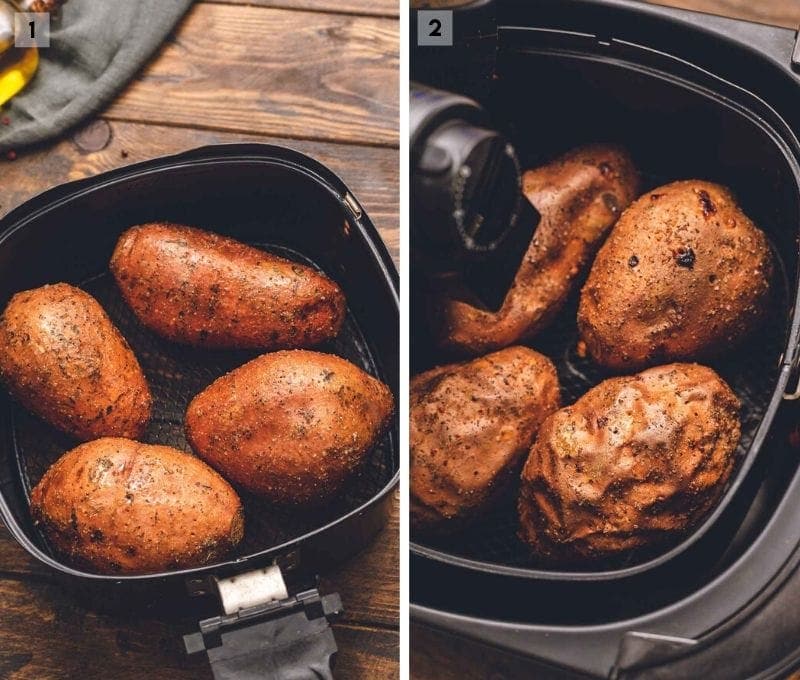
(370, 583)
(306, 75)
(45, 636)
(14, 561)
(378, 8)
(367, 653)
(777, 12)
(372, 173)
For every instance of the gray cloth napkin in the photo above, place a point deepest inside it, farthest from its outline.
(95, 49)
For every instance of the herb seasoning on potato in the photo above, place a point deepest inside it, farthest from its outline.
(471, 426)
(635, 463)
(202, 289)
(63, 359)
(119, 506)
(291, 426)
(684, 274)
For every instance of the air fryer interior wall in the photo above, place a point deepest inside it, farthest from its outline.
(549, 99)
(282, 209)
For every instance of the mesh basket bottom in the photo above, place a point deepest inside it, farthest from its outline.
(176, 374)
(751, 371)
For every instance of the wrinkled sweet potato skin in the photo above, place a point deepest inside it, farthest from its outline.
(579, 196)
(118, 506)
(634, 463)
(202, 289)
(290, 426)
(684, 274)
(63, 359)
(471, 426)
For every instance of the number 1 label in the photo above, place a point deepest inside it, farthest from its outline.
(32, 29)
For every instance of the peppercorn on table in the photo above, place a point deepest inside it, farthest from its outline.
(320, 76)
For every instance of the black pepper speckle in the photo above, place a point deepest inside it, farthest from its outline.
(684, 256)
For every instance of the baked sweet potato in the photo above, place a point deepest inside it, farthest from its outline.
(63, 359)
(291, 426)
(580, 196)
(635, 463)
(206, 290)
(471, 426)
(684, 274)
(118, 506)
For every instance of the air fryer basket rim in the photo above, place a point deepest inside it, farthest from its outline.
(788, 147)
(267, 154)
(693, 616)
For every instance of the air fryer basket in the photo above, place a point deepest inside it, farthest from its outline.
(553, 90)
(689, 95)
(272, 198)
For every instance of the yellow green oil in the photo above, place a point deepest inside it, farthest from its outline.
(17, 67)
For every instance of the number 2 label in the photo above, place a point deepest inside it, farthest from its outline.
(435, 28)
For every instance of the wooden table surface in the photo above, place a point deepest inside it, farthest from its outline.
(320, 76)
(436, 656)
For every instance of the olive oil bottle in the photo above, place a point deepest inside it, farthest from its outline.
(18, 64)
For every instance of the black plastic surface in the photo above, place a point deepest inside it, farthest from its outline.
(268, 196)
(675, 128)
(290, 639)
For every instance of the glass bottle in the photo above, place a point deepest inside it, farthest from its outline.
(18, 64)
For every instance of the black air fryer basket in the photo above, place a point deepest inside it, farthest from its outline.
(689, 96)
(284, 202)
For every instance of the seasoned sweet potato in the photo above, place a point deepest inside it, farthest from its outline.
(291, 426)
(580, 196)
(471, 426)
(684, 274)
(63, 359)
(634, 463)
(202, 289)
(118, 506)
